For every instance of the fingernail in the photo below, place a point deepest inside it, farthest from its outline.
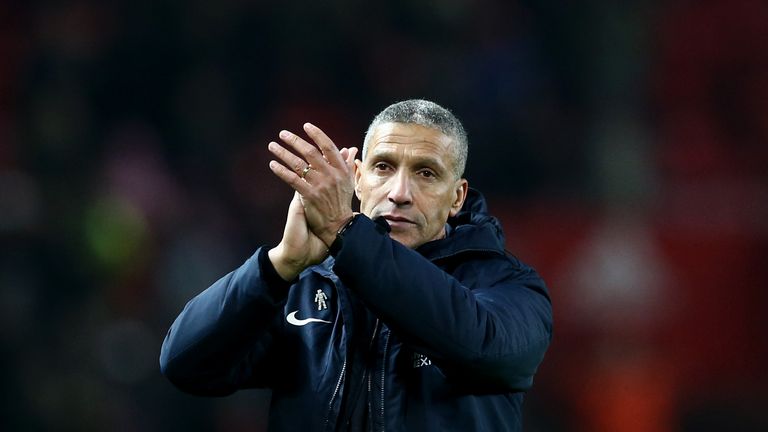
(285, 134)
(308, 126)
(271, 145)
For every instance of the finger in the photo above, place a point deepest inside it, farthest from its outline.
(350, 157)
(326, 145)
(309, 152)
(292, 161)
(344, 153)
(290, 178)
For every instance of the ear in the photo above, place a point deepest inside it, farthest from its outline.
(358, 175)
(460, 194)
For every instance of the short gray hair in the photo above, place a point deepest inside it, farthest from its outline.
(428, 114)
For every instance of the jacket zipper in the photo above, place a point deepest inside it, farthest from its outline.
(383, 370)
(341, 378)
(335, 393)
(370, 346)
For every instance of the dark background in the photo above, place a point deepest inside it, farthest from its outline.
(624, 145)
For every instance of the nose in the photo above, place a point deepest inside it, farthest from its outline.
(400, 190)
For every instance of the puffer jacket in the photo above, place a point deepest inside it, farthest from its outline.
(446, 337)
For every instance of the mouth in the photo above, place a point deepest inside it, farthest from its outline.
(398, 221)
(397, 218)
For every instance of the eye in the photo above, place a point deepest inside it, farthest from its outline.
(380, 166)
(427, 173)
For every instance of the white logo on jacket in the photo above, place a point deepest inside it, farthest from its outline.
(420, 360)
(320, 299)
(291, 318)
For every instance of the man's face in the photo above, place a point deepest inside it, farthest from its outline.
(408, 178)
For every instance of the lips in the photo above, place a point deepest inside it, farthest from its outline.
(396, 218)
(396, 221)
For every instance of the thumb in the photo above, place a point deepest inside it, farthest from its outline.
(296, 207)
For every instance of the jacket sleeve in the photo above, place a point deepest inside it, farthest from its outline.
(490, 331)
(217, 343)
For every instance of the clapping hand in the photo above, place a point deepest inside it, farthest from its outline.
(323, 178)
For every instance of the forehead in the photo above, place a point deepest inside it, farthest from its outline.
(388, 137)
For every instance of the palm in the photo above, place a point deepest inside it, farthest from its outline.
(298, 240)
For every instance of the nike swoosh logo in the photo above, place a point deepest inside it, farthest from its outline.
(291, 318)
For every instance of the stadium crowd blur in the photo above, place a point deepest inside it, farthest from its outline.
(624, 146)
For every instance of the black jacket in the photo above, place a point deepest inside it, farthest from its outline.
(446, 337)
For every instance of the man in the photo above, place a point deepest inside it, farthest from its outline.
(407, 316)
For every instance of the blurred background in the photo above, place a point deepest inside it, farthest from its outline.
(624, 146)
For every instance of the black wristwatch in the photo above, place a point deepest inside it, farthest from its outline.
(339, 240)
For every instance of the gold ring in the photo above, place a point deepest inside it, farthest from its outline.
(306, 170)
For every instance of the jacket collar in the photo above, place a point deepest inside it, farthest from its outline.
(472, 229)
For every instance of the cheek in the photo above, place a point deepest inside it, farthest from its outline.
(438, 216)
(433, 209)
(368, 191)
(439, 207)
